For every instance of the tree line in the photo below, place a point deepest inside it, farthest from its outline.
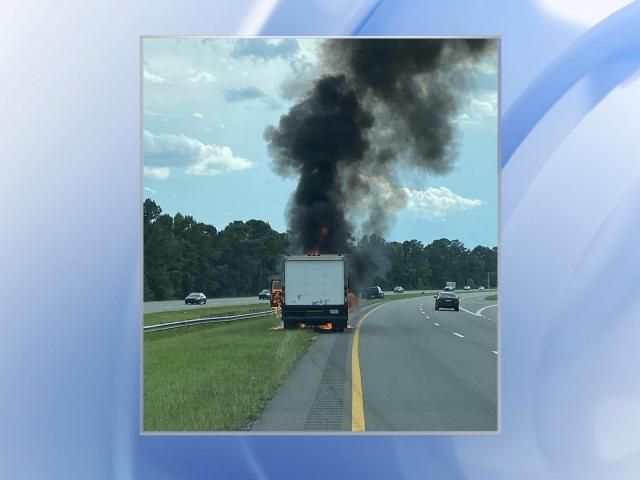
(182, 255)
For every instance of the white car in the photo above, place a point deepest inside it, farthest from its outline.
(481, 287)
(398, 290)
(467, 287)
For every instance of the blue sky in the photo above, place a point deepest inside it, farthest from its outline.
(206, 104)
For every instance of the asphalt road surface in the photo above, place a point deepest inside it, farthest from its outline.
(413, 369)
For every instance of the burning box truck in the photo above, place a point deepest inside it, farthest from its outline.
(315, 291)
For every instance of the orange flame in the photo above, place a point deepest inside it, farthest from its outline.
(352, 301)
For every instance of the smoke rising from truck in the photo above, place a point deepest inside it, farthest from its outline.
(384, 103)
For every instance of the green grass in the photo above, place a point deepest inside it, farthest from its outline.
(491, 297)
(191, 313)
(216, 377)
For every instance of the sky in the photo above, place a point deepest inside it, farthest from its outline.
(207, 102)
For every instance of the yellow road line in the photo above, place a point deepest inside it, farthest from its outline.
(357, 401)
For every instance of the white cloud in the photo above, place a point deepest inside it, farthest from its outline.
(197, 115)
(200, 76)
(194, 157)
(478, 107)
(151, 113)
(486, 106)
(171, 75)
(150, 191)
(157, 173)
(438, 202)
(153, 77)
(488, 66)
(435, 203)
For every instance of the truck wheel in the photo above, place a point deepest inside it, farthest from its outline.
(290, 325)
(437, 307)
(338, 327)
(457, 309)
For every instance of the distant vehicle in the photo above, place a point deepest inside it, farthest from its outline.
(481, 287)
(447, 300)
(398, 290)
(467, 287)
(450, 286)
(372, 292)
(195, 298)
(448, 289)
(264, 295)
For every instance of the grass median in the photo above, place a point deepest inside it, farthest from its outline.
(491, 297)
(216, 377)
(190, 313)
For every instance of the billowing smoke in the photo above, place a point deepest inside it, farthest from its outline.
(385, 103)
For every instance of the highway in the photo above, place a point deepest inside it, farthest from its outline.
(176, 305)
(412, 369)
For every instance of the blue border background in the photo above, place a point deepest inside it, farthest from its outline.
(69, 268)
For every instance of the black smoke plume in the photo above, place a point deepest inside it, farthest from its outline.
(385, 102)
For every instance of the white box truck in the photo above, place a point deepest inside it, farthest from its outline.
(314, 291)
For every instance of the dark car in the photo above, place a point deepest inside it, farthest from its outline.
(447, 300)
(264, 295)
(372, 292)
(195, 298)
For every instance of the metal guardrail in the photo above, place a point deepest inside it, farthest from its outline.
(202, 321)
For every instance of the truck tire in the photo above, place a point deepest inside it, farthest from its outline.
(437, 307)
(338, 327)
(457, 309)
(289, 325)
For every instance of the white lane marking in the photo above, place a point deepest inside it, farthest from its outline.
(479, 312)
(436, 324)
(427, 316)
(471, 313)
(458, 335)
(493, 351)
